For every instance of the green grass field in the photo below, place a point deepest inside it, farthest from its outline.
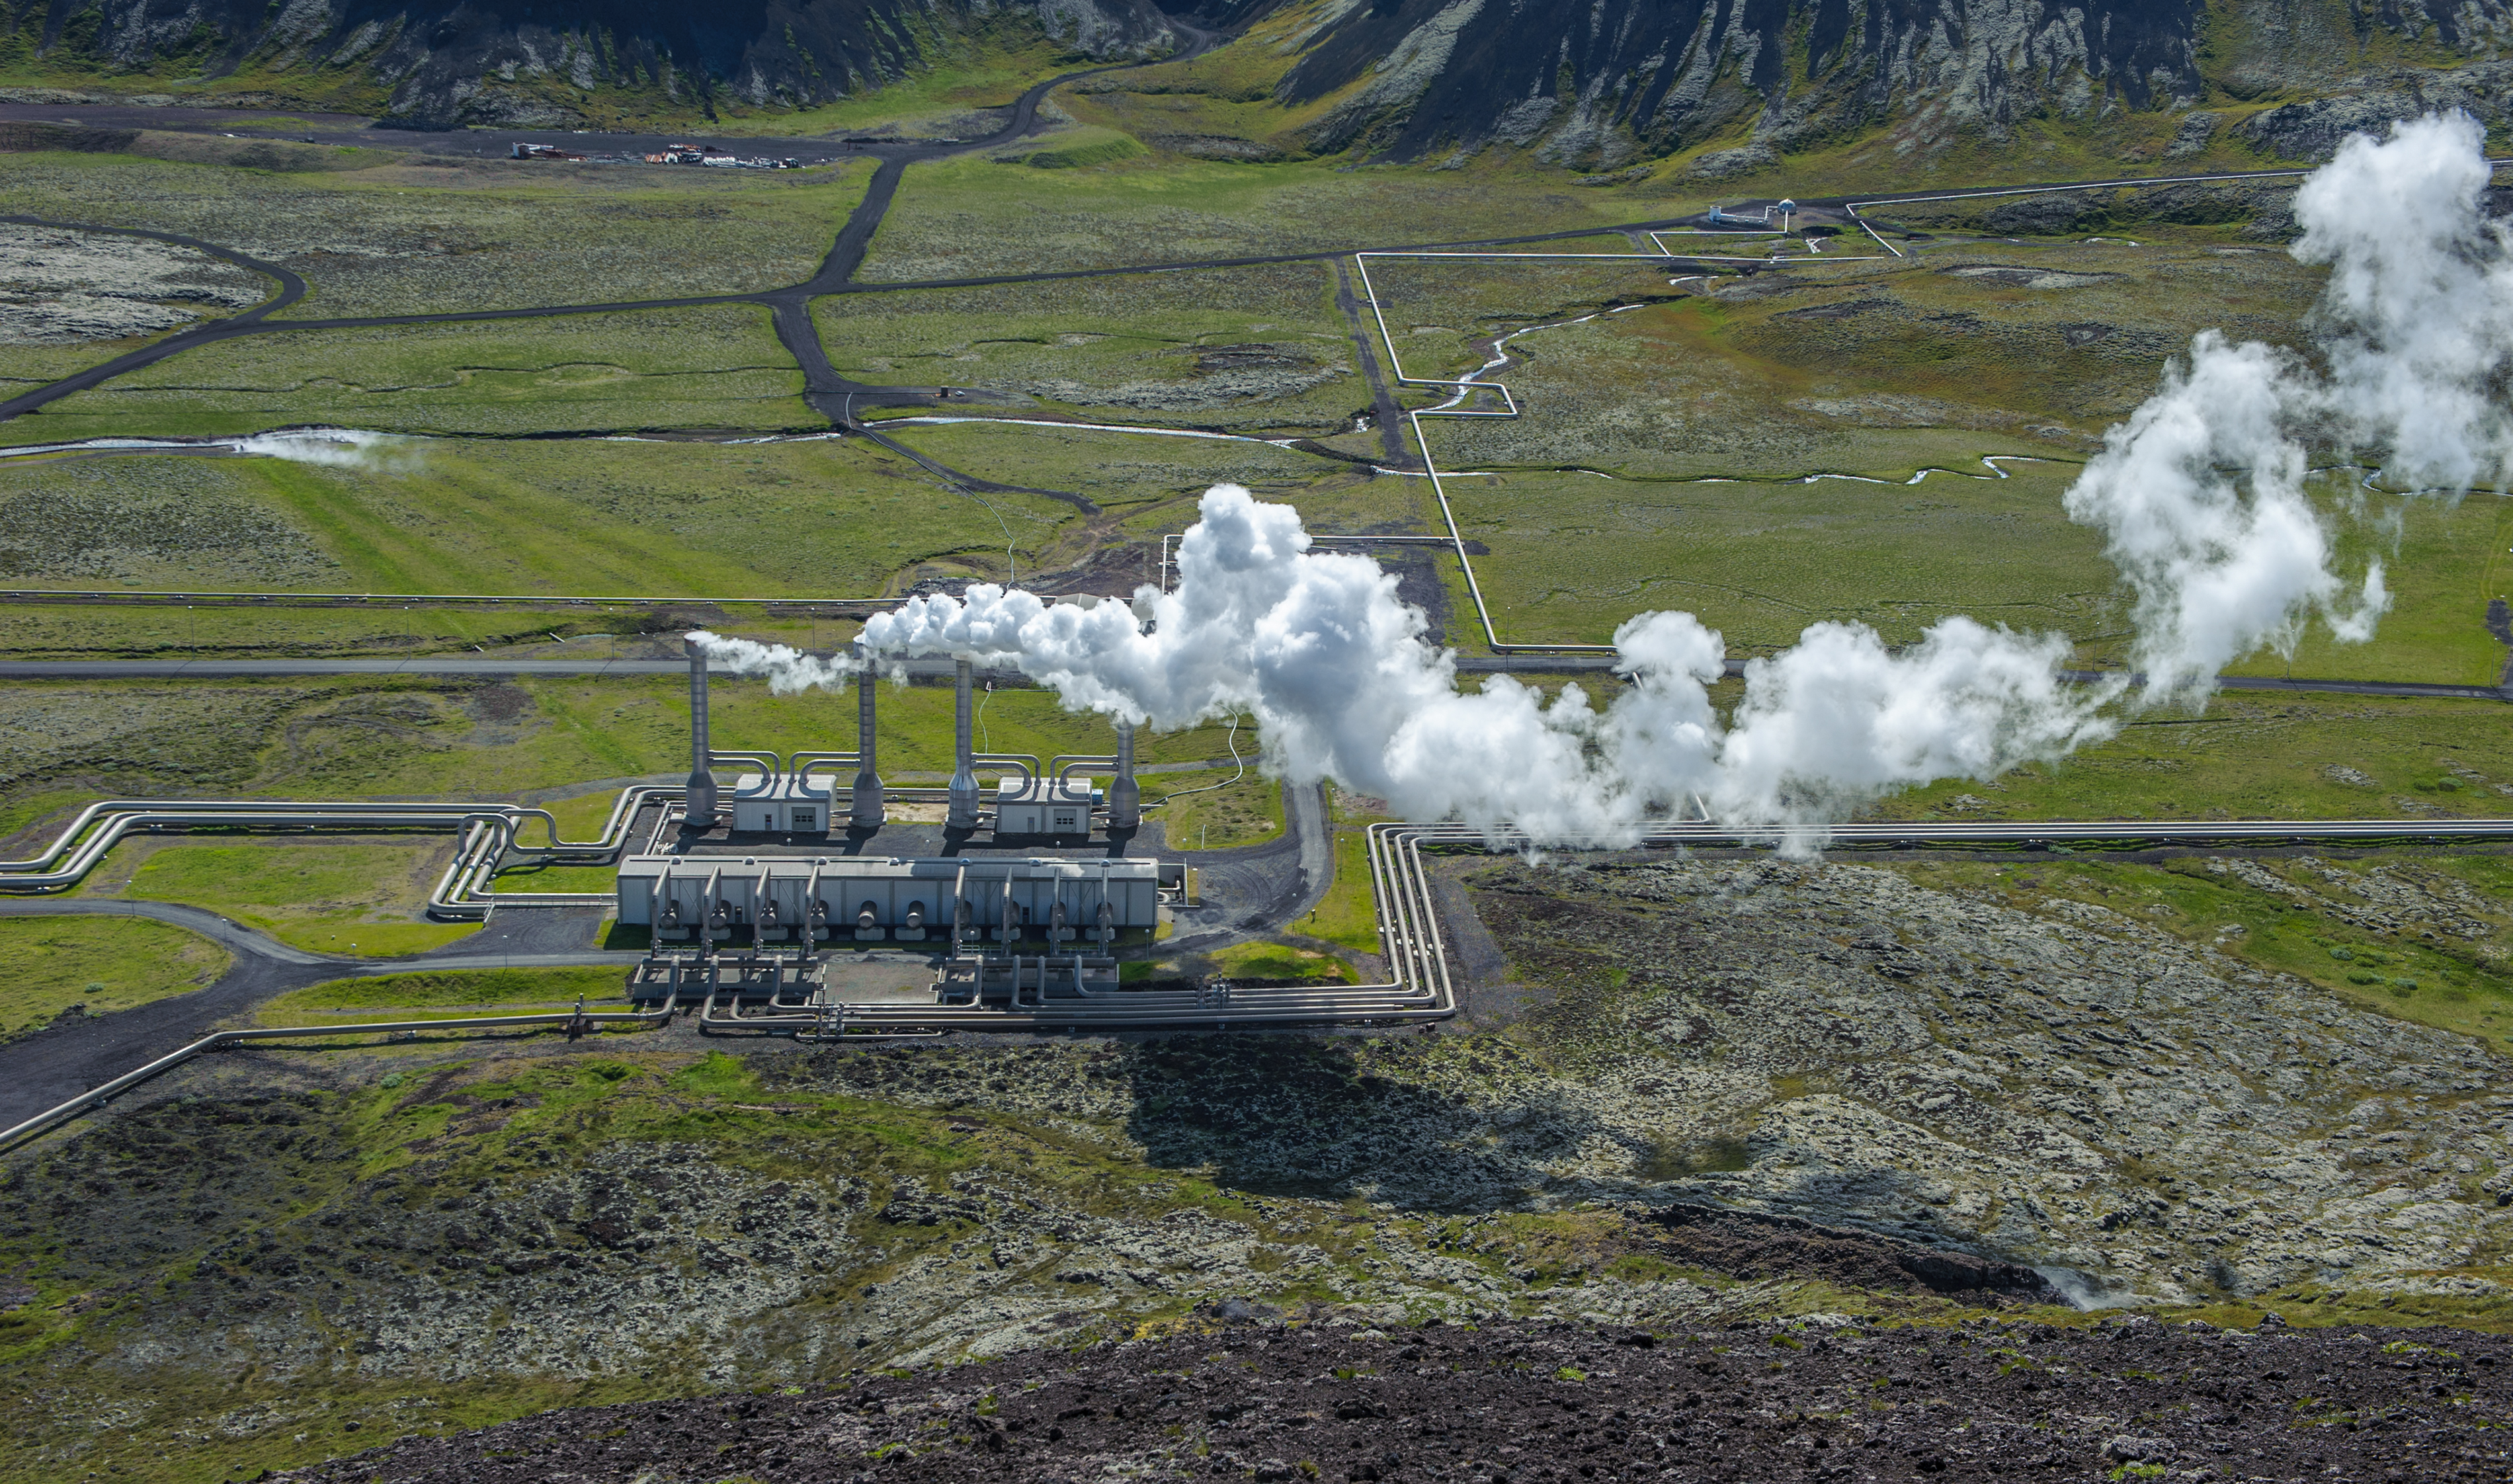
(2258, 757)
(1244, 349)
(98, 965)
(972, 217)
(697, 367)
(1348, 916)
(1224, 814)
(1274, 963)
(1143, 474)
(825, 517)
(104, 631)
(1575, 555)
(355, 899)
(464, 739)
(25, 367)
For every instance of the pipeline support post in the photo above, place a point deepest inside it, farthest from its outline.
(868, 813)
(962, 811)
(702, 807)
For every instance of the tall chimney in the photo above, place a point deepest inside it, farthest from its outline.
(963, 813)
(1125, 795)
(701, 802)
(868, 813)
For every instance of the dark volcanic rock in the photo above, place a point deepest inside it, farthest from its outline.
(1751, 1245)
(1821, 1399)
(451, 64)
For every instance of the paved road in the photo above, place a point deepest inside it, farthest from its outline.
(1471, 664)
(1384, 407)
(291, 288)
(58, 1064)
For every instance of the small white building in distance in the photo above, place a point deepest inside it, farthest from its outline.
(791, 805)
(1046, 807)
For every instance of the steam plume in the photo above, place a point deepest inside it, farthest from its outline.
(335, 448)
(2200, 497)
(788, 670)
(1343, 685)
(2200, 493)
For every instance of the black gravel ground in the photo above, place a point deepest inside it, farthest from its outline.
(1989, 1399)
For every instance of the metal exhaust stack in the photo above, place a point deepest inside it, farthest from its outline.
(701, 796)
(1125, 795)
(963, 812)
(868, 813)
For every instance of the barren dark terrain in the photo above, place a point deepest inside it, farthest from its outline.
(1820, 1398)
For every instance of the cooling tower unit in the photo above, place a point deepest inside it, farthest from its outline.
(701, 798)
(962, 811)
(1125, 795)
(867, 810)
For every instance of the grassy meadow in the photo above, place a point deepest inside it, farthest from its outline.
(442, 995)
(823, 517)
(709, 367)
(434, 235)
(1246, 350)
(380, 736)
(364, 900)
(2254, 756)
(96, 966)
(974, 217)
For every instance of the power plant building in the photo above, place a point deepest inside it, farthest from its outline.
(751, 902)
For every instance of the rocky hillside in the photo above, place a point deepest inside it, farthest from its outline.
(1600, 84)
(1590, 86)
(1732, 1093)
(442, 61)
(1636, 75)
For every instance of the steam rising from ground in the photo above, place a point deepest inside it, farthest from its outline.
(340, 448)
(2201, 495)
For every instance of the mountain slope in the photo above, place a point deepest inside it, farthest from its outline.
(1599, 84)
(571, 61)
(1588, 84)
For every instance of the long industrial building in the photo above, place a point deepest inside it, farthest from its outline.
(745, 891)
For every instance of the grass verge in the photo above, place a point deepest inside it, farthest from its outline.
(448, 994)
(352, 900)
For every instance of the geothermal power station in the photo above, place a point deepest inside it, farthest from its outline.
(793, 895)
(1026, 894)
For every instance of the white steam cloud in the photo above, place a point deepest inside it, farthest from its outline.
(2200, 497)
(788, 670)
(2200, 493)
(1343, 685)
(339, 448)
